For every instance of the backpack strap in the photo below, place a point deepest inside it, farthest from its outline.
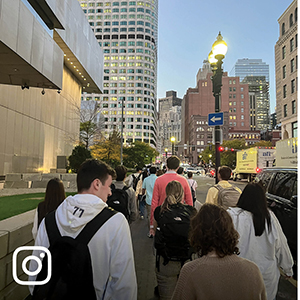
(219, 188)
(51, 227)
(93, 226)
(125, 188)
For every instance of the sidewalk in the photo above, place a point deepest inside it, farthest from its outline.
(144, 260)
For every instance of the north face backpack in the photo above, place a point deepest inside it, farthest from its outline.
(171, 237)
(227, 197)
(72, 274)
(119, 200)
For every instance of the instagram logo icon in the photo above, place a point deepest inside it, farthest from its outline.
(42, 252)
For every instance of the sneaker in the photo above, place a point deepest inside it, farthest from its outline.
(149, 235)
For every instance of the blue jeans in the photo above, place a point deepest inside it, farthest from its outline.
(142, 206)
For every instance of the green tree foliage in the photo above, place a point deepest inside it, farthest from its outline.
(262, 144)
(78, 156)
(108, 150)
(139, 154)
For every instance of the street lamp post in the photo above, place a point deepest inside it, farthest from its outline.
(173, 144)
(215, 57)
(166, 151)
(122, 131)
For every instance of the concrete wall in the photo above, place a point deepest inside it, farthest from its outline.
(14, 232)
(37, 128)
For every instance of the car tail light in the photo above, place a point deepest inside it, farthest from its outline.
(258, 170)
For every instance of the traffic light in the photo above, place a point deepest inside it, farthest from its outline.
(232, 150)
(221, 149)
(193, 148)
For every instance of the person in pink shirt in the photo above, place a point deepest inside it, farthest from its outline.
(159, 190)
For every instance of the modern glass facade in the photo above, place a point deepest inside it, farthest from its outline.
(250, 67)
(127, 33)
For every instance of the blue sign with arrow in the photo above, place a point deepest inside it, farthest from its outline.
(215, 119)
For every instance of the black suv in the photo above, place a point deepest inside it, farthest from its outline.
(281, 193)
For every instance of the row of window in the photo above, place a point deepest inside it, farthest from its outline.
(125, 23)
(123, 29)
(139, 105)
(234, 110)
(130, 98)
(124, 50)
(114, 92)
(293, 67)
(125, 36)
(234, 124)
(129, 44)
(129, 84)
(285, 108)
(129, 57)
(293, 87)
(234, 103)
(123, 78)
(293, 19)
(124, 71)
(293, 46)
(234, 117)
(117, 10)
(117, 17)
(128, 112)
(124, 10)
(123, 3)
(140, 120)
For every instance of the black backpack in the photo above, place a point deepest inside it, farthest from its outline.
(119, 200)
(72, 274)
(135, 180)
(171, 237)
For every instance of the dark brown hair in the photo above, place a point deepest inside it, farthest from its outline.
(173, 162)
(121, 172)
(253, 199)
(54, 196)
(212, 230)
(225, 172)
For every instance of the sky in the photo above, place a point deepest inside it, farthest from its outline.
(187, 29)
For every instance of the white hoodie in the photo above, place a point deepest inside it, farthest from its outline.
(110, 248)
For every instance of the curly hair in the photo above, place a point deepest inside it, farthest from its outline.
(212, 230)
(174, 194)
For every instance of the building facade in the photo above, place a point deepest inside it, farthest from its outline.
(169, 120)
(127, 32)
(286, 65)
(45, 64)
(250, 67)
(200, 101)
(259, 102)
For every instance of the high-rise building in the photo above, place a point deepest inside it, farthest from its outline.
(286, 64)
(169, 120)
(250, 67)
(259, 104)
(127, 33)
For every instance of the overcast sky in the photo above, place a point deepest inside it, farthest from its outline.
(187, 30)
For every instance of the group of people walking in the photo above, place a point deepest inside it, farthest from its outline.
(229, 248)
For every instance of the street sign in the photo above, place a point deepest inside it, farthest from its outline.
(215, 119)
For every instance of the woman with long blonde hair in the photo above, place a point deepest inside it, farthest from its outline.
(172, 222)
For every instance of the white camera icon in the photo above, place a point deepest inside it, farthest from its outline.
(39, 252)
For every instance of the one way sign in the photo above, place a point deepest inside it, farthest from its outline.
(215, 119)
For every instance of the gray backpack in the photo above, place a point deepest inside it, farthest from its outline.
(227, 197)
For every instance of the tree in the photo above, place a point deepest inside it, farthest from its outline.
(139, 154)
(78, 156)
(108, 150)
(262, 144)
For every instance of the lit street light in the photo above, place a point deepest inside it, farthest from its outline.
(173, 144)
(215, 57)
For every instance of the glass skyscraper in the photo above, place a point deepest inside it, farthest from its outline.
(127, 33)
(250, 67)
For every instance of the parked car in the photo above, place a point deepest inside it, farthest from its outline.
(281, 192)
(193, 170)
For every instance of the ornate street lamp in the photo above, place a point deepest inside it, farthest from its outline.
(172, 139)
(215, 57)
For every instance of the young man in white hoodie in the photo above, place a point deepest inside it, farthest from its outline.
(111, 247)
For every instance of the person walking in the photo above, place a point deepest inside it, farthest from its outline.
(141, 202)
(219, 273)
(54, 196)
(261, 238)
(147, 188)
(111, 253)
(119, 184)
(159, 190)
(193, 185)
(172, 222)
(223, 194)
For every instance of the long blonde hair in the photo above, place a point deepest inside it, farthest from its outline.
(174, 194)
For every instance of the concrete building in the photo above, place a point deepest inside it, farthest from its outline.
(45, 64)
(199, 101)
(259, 102)
(169, 120)
(286, 64)
(250, 67)
(127, 33)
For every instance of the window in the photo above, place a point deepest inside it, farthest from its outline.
(295, 129)
(282, 29)
(242, 96)
(293, 86)
(291, 44)
(284, 91)
(285, 110)
(242, 103)
(291, 20)
(292, 65)
(283, 185)
(284, 71)
(293, 106)
(242, 89)
(283, 52)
